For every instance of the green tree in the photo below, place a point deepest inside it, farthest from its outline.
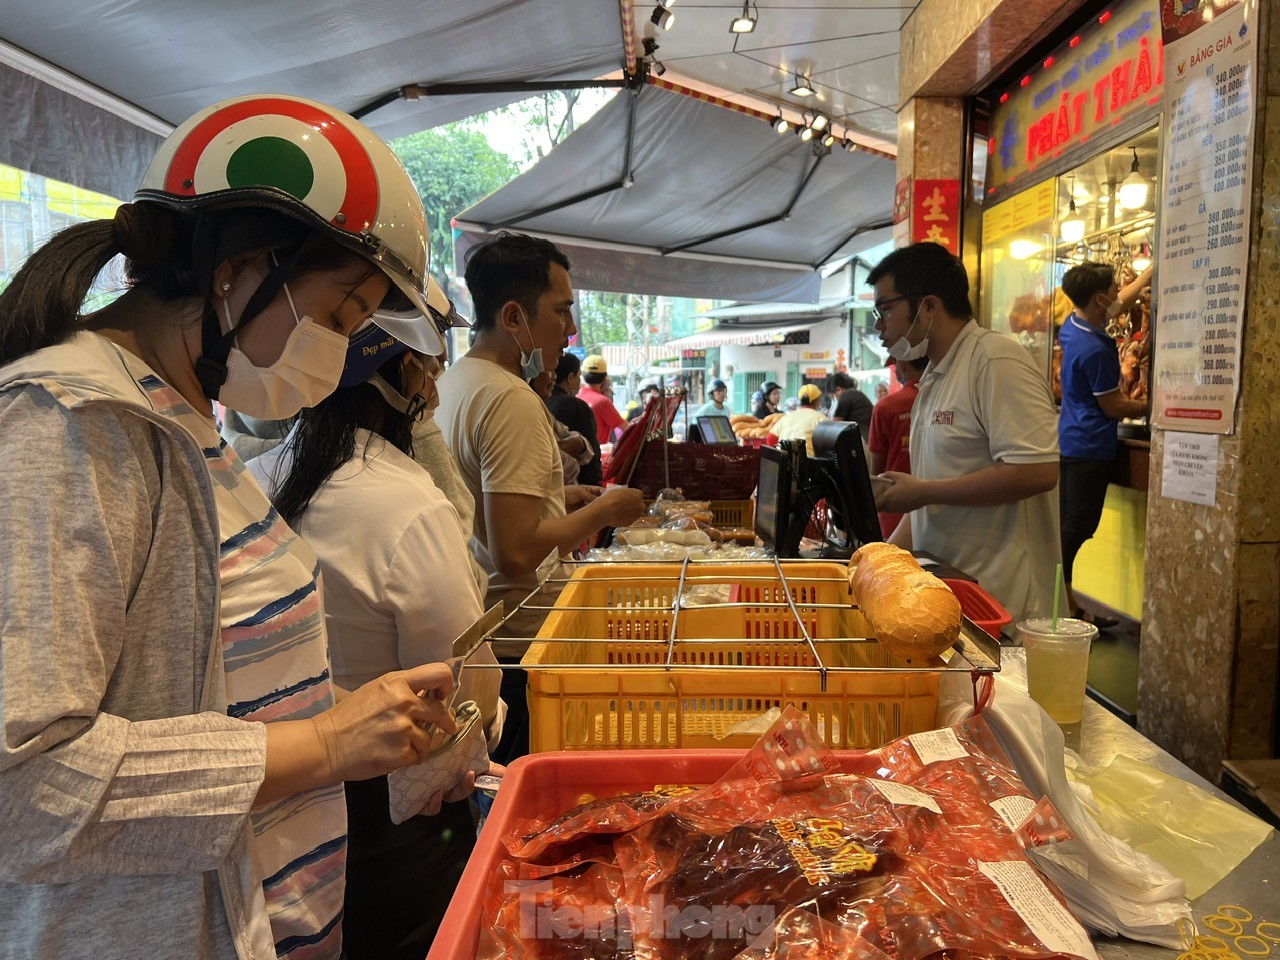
(452, 166)
(603, 319)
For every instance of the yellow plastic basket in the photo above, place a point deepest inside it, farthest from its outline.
(636, 701)
(730, 513)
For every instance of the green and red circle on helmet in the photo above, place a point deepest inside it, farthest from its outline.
(326, 169)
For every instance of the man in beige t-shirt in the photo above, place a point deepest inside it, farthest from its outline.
(500, 433)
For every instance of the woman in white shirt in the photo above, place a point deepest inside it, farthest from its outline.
(398, 589)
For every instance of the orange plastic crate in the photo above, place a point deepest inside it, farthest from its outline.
(980, 607)
(730, 513)
(633, 700)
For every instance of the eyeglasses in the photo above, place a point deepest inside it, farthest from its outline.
(877, 310)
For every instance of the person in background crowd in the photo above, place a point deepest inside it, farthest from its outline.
(172, 748)
(714, 407)
(983, 446)
(597, 393)
(1091, 405)
(501, 435)
(882, 390)
(574, 448)
(770, 400)
(574, 413)
(890, 443)
(799, 424)
(851, 403)
(396, 596)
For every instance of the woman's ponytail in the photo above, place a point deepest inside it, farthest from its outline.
(41, 306)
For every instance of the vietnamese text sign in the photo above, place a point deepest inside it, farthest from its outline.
(1204, 227)
(1088, 85)
(1029, 208)
(1190, 468)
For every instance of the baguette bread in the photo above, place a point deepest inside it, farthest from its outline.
(910, 611)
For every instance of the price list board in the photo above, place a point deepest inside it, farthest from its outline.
(1211, 78)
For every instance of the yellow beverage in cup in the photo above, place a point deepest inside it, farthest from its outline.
(1058, 664)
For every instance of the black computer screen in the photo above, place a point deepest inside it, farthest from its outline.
(841, 459)
(773, 500)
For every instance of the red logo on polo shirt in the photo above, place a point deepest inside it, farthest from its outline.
(944, 418)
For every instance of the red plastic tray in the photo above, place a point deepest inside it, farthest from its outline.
(550, 783)
(979, 606)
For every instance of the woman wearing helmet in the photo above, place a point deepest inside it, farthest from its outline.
(395, 596)
(171, 739)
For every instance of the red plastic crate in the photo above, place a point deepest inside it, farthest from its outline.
(979, 606)
(550, 783)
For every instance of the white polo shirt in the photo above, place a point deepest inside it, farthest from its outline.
(986, 403)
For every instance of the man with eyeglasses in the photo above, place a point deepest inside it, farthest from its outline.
(984, 442)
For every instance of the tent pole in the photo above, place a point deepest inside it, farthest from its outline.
(759, 223)
(865, 228)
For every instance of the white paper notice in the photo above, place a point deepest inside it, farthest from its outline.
(1040, 910)
(902, 794)
(1013, 810)
(1207, 122)
(1191, 467)
(937, 745)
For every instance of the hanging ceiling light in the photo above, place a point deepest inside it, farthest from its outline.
(781, 124)
(850, 145)
(829, 139)
(744, 23)
(803, 87)
(806, 133)
(1133, 192)
(1023, 249)
(820, 123)
(1072, 228)
(662, 15)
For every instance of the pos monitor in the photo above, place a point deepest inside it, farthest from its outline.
(792, 483)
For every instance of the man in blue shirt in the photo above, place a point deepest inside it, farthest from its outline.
(1091, 405)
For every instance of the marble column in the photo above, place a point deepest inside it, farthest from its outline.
(1211, 618)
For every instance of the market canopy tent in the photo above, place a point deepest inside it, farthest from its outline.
(662, 193)
(174, 57)
(171, 58)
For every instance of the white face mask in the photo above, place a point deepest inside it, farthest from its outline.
(531, 364)
(307, 370)
(903, 349)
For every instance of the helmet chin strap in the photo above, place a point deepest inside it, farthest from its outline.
(215, 343)
(409, 406)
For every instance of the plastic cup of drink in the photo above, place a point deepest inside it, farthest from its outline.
(1058, 664)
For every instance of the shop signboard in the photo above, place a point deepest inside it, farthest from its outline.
(902, 213)
(1204, 227)
(815, 355)
(1030, 208)
(1092, 83)
(935, 213)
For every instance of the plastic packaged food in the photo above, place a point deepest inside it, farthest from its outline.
(910, 851)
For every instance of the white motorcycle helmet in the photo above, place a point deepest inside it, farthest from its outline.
(322, 167)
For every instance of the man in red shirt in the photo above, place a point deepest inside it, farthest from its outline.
(890, 438)
(595, 386)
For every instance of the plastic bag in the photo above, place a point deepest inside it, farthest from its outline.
(1111, 887)
(800, 935)
(1192, 833)
(906, 851)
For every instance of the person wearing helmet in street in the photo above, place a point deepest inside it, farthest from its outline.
(173, 744)
(501, 434)
(716, 406)
(394, 597)
(770, 400)
(597, 393)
